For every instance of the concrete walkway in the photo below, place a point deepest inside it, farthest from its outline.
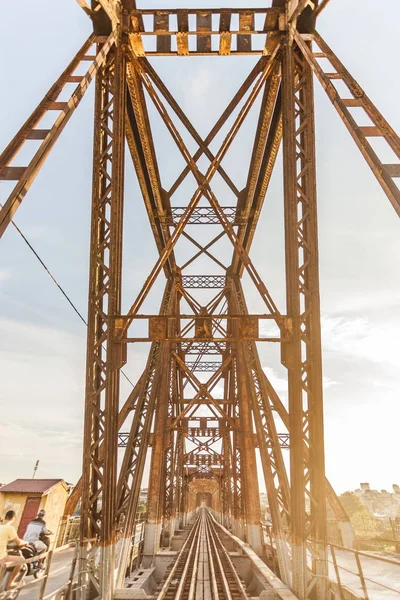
(57, 578)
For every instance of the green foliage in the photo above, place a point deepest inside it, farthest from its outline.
(365, 524)
(352, 504)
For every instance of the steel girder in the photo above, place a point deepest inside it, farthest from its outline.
(302, 356)
(104, 357)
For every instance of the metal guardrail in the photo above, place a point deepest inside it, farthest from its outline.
(42, 582)
(65, 590)
(360, 573)
(365, 580)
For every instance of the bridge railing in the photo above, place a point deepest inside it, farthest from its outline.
(38, 588)
(137, 545)
(67, 531)
(367, 574)
(46, 587)
(352, 573)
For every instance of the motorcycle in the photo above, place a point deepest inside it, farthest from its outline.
(35, 567)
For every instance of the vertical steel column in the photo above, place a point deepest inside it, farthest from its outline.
(238, 499)
(131, 473)
(226, 480)
(167, 499)
(104, 356)
(152, 529)
(250, 488)
(178, 480)
(302, 356)
(274, 470)
(155, 501)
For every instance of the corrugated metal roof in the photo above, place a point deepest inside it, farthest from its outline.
(30, 486)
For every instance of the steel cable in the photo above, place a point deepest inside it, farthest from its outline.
(68, 299)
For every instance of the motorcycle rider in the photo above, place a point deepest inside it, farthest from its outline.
(37, 532)
(9, 534)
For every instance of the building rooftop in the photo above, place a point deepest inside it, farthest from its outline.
(30, 486)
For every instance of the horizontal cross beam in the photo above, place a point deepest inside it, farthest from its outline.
(204, 281)
(202, 31)
(203, 215)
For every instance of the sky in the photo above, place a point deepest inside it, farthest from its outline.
(42, 341)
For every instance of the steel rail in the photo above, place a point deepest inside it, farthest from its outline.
(193, 579)
(228, 563)
(215, 556)
(223, 575)
(187, 546)
(212, 571)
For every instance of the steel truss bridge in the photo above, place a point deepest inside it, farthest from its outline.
(204, 441)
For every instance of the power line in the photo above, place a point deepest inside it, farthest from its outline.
(68, 299)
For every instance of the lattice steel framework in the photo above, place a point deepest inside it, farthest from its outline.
(194, 432)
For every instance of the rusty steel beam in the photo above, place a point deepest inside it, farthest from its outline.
(157, 466)
(248, 196)
(275, 476)
(203, 215)
(323, 4)
(26, 175)
(102, 371)
(249, 483)
(132, 467)
(205, 189)
(266, 169)
(203, 32)
(385, 173)
(220, 123)
(203, 180)
(157, 216)
(302, 356)
(139, 161)
(186, 122)
(167, 512)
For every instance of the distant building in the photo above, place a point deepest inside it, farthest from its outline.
(380, 503)
(28, 496)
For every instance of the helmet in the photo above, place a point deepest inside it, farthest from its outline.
(41, 513)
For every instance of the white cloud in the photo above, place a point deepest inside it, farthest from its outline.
(4, 275)
(278, 383)
(362, 339)
(378, 299)
(281, 386)
(42, 395)
(199, 88)
(328, 383)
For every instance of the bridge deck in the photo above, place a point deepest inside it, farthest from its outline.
(211, 564)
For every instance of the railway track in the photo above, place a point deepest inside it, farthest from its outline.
(203, 569)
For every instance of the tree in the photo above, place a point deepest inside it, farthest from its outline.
(365, 524)
(351, 503)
